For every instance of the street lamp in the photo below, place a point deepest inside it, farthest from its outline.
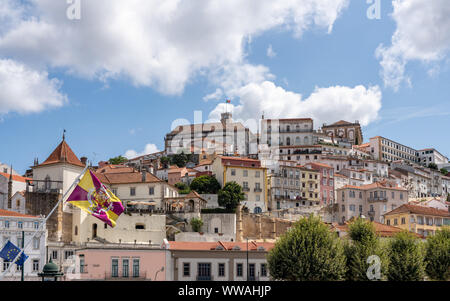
(161, 270)
(50, 272)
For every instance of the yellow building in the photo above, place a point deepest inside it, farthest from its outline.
(310, 181)
(418, 219)
(249, 174)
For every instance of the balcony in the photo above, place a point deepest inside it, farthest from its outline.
(377, 199)
(246, 189)
(204, 278)
(130, 277)
(257, 190)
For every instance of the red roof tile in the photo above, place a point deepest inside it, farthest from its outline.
(208, 246)
(407, 208)
(16, 178)
(63, 154)
(14, 214)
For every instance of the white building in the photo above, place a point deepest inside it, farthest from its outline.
(18, 184)
(431, 155)
(12, 224)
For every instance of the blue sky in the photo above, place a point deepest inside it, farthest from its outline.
(105, 118)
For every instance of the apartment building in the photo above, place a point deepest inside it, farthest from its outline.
(372, 200)
(385, 149)
(310, 181)
(431, 155)
(12, 224)
(326, 173)
(249, 174)
(287, 132)
(285, 186)
(218, 261)
(418, 219)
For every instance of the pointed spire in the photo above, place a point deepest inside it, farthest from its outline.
(64, 135)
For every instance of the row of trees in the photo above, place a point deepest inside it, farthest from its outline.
(310, 251)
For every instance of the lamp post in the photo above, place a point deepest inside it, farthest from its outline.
(161, 270)
(247, 259)
(50, 272)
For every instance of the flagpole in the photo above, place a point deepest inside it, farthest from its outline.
(77, 180)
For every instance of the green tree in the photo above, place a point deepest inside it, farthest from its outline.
(181, 159)
(406, 260)
(165, 161)
(309, 251)
(433, 166)
(364, 243)
(230, 196)
(118, 160)
(205, 184)
(196, 224)
(444, 171)
(183, 188)
(437, 256)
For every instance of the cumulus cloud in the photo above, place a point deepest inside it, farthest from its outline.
(149, 149)
(25, 90)
(324, 105)
(161, 44)
(422, 34)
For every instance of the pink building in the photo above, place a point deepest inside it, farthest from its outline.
(122, 262)
(326, 182)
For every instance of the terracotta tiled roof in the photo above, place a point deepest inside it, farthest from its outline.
(208, 246)
(63, 154)
(419, 210)
(372, 186)
(14, 214)
(111, 168)
(126, 178)
(320, 164)
(382, 230)
(15, 178)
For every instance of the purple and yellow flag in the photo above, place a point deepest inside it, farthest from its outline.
(93, 197)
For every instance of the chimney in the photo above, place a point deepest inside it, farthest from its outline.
(144, 176)
(83, 160)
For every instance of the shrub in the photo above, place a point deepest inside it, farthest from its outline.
(437, 256)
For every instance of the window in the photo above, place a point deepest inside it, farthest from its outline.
(36, 265)
(233, 172)
(239, 270)
(6, 224)
(204, 271)
(151, 190)
(388, 222)
(140, 227)
(221, 269)
(352, 208)
(136, 268)
(115, 268)
(20, 225)
(186, 269)
(5, 265)
(55, 254)
(132, 191)
(125, 268)
(36, 243)
(82, 264)
(263, 270)
(68, 254)
(257, 174)
(245, 172)
(403, 220)
(395, 222)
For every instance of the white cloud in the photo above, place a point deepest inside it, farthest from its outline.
(422, 34)
(216, 95)
(24, 90)
(162, 44)
(324, 105)
(270, 52)
(149, 149)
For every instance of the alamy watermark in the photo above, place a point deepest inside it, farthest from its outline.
(374, 270)
(73, 11)
(374, 10)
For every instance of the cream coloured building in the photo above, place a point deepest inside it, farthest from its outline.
(249, 174)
